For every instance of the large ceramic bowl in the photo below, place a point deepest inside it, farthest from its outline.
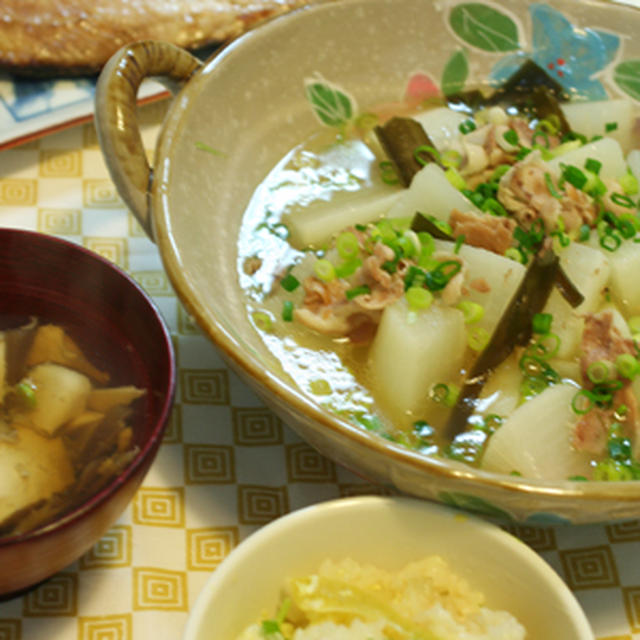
(248, 104)
(387, 533)
(121, 332)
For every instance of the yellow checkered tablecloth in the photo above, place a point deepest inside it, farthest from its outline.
(227, 465)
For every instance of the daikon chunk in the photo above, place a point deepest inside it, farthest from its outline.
(60, 395)
(442, 125)
(589, 271)
(430, 193)
(413, 352)
(625, 267)
(591, 118)
(491, 280)
(536, 440)
(315, 225)
(605, 150)
(33, 469)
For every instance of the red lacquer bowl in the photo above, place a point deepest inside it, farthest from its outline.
(120, 329)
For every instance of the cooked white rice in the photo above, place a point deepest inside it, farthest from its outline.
(349, 601)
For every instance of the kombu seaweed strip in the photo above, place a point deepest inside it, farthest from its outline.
(421, 222)
(530, 91)
(400, 138)
(514, 329)
(567, 289)
(528, 77)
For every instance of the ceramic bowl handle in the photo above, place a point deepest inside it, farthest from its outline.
(115, 115)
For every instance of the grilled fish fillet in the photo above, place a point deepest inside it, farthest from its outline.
(74, 37)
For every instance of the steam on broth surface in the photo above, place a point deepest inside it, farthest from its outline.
(469, 293)
(63, 428)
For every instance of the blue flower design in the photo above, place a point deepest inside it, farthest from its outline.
(571, 55)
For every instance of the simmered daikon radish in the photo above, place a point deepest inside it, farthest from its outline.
(625, 267)
(494, 288)
(589, 271)
(60, 395)
(34, 467)
(612, 118)
(412, 352)
(315, 225)
(606, 150)
(442, 125)
(536, 441)
(53, 450)
(431, 193)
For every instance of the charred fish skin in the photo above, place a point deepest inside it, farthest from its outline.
(49, 38)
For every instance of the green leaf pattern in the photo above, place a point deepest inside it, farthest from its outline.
(332, 105)
(627, 76)
(484, 27)
(455, 73)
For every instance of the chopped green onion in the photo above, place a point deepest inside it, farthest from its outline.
(270, 627)
(514, 254)
(446, 394)
(610, 126)
(262, 320)
(491, 205)
(472, 311)
(357, 291)
(569, 145)
(289, 282)
(406, 244)
(384, 231)
(627, 366)
(549, 182)
(467, 126)
(622, 200)
(325, 270)
(595, 186)
(439, 278)
(477, 338)
(548, 124)
(545, 138)
(499, 171)
(629, 183)
(574, 176)
(542, 322)
(27, 394)
(388, 174)
(600, 371)
(584, 232)
(609, 470)
(593, 165)
(451, 158)
(287, 311)
(532, 386)
(582, 402)
(511, 137)
(610, 241)
(348, 268)
(347, 245)
(458, 245)
(418, 298)
(202, 146)
(429, 151)
(455, 179)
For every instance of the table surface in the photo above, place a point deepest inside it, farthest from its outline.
(227, 465)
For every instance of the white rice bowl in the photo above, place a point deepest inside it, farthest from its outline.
(388, 533)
